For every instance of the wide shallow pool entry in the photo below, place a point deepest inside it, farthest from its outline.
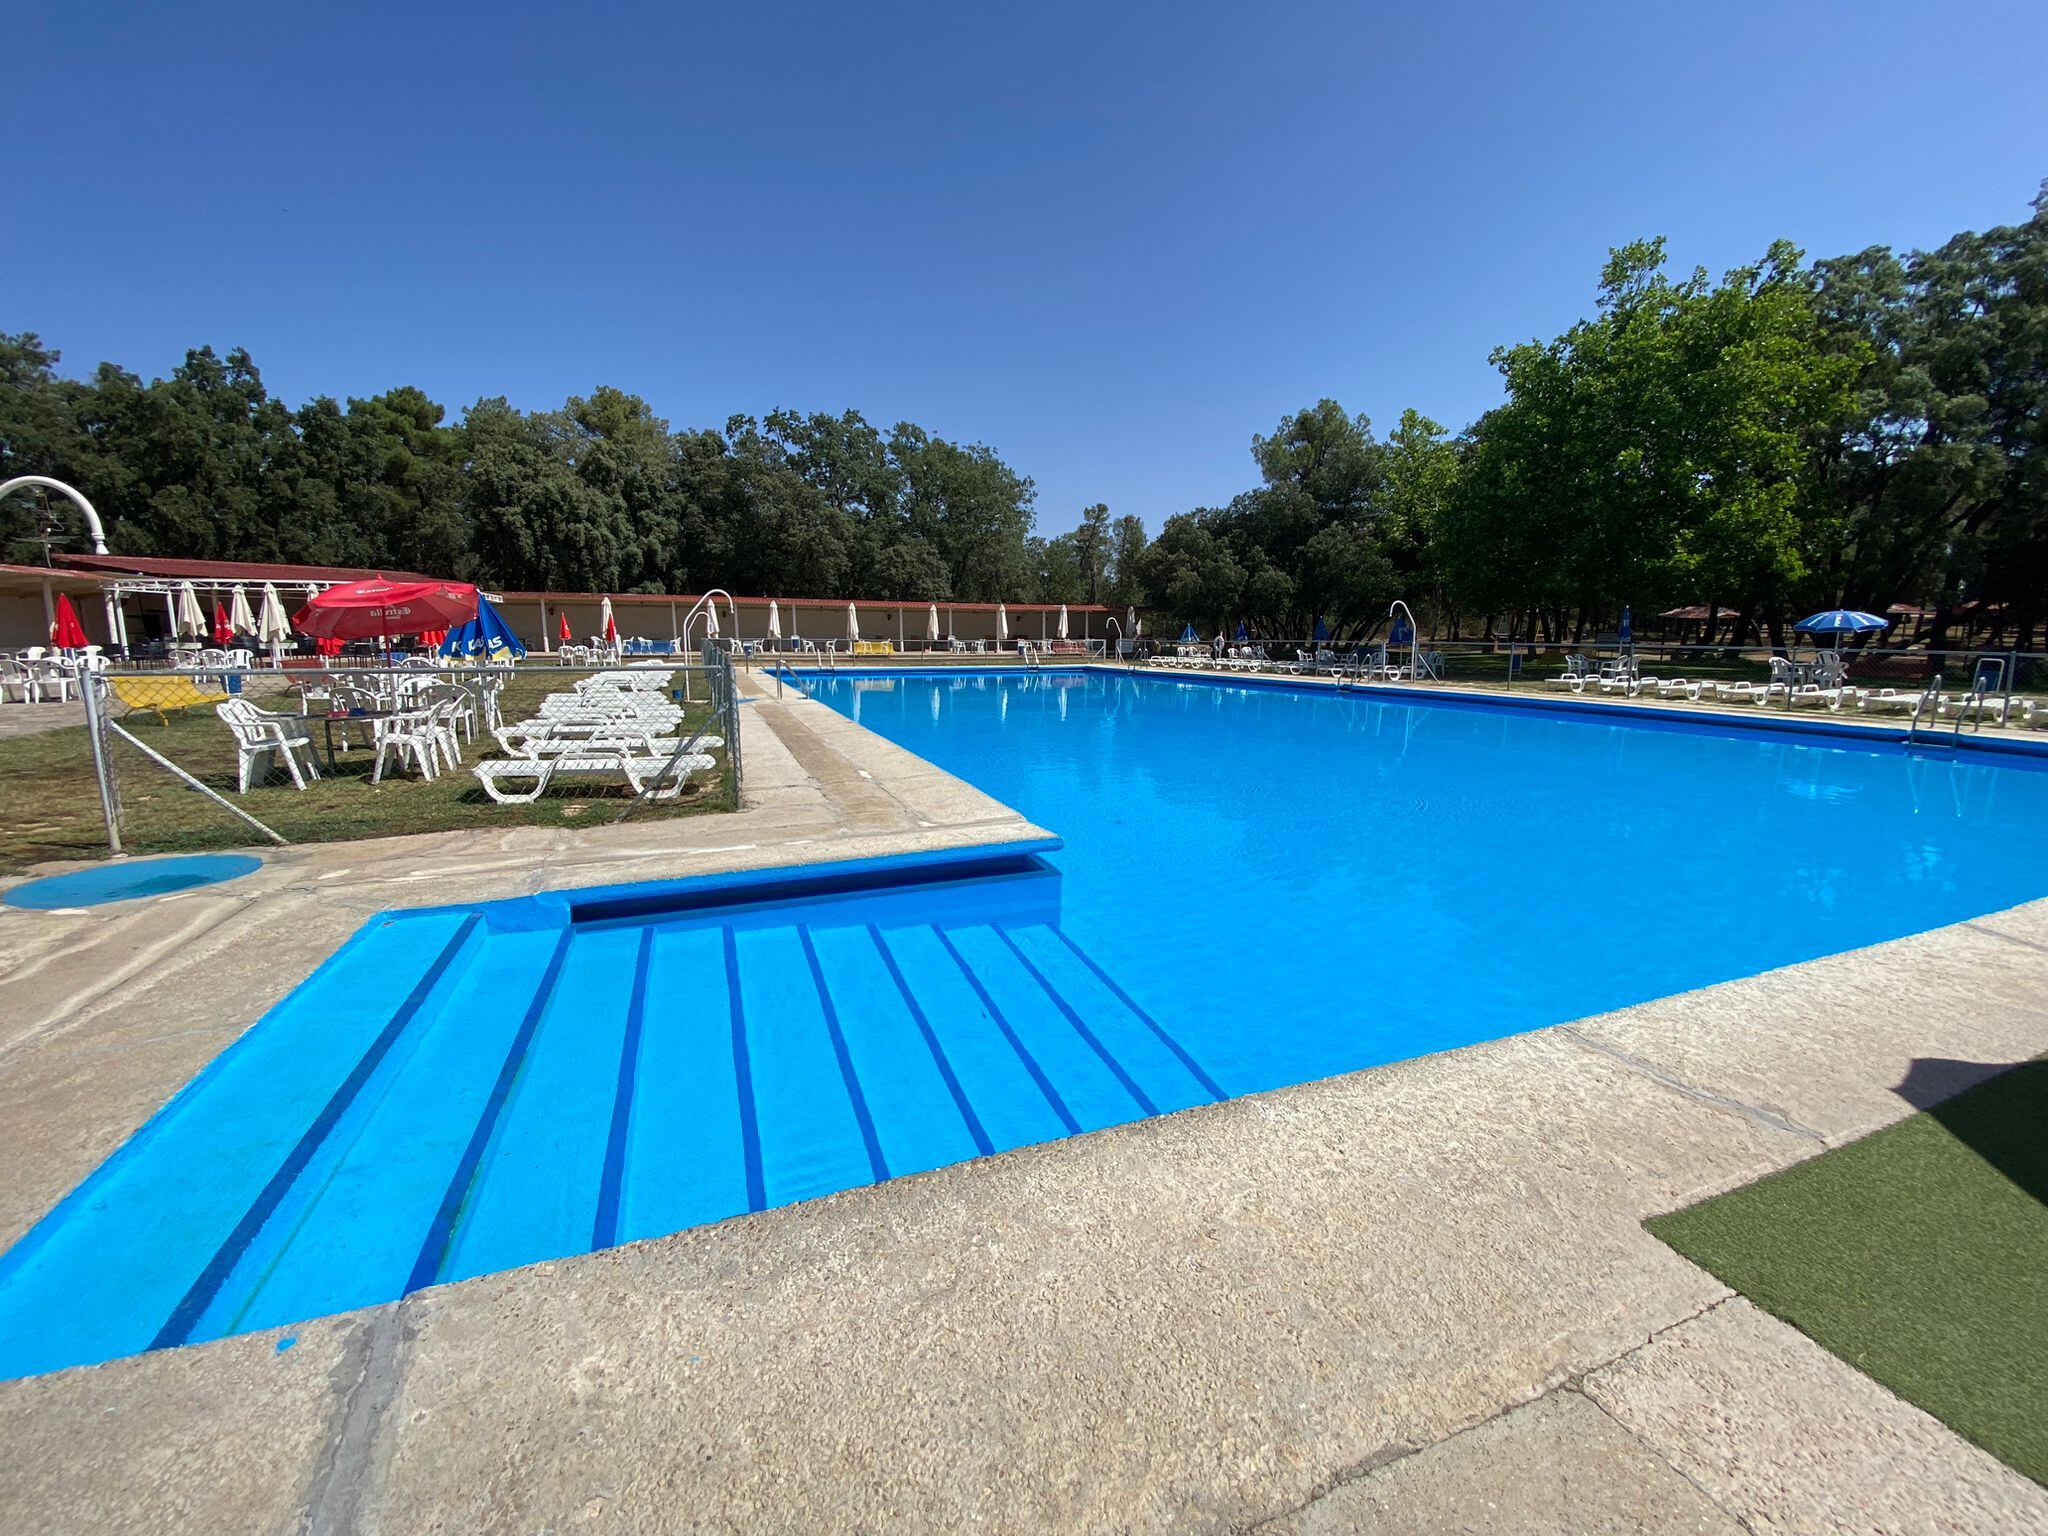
(129, 880)
(1254, 886)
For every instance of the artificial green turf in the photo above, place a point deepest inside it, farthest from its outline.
(1919, 1255)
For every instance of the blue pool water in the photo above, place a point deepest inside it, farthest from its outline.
(1252, 886)
(1305, 882)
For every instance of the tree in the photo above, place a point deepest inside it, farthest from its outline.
(1190, 572)
(1091, 548)
(1935, 480)
(1126, 552)
(1661, 450)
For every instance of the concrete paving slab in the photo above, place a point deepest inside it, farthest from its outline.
(1791, 1440)
(233, 1438)
(1559, 1467)
(1824, 1046)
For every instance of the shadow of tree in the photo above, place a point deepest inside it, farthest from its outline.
(1999, 1110)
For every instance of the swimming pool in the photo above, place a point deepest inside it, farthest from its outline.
(1253, 885)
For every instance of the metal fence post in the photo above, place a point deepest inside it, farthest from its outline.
(102, 764)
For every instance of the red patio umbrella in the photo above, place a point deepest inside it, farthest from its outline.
(223, 631)
(363, 610)
(566, 636)
(430, 639)
(67, 633)
(329, 645)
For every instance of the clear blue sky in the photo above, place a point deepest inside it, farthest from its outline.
(1111, 241)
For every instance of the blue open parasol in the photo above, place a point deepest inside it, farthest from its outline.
(484, 638)
(1841, 621)
(1187, 634)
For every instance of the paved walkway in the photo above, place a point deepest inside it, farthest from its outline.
(29, 719)
(1412, 1299)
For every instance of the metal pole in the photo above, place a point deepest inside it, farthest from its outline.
(102, 769)
(227, 805)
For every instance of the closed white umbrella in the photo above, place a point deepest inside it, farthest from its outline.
(852, 625)
(607, 625)
(1063, 621)
(239, 616)
(774, 621)
(272, 627)
(931, 624)
(190, 620)
(1002, 622)
(711, 620)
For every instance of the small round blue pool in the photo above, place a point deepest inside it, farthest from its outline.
(129, 880)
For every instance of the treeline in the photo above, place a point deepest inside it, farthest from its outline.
(1858, 431)
(600, 495)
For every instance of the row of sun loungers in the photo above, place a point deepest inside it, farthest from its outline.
(1835, 693)
(612, 725)
(1373, 666)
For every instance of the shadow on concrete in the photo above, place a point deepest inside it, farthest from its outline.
(1999, 1110)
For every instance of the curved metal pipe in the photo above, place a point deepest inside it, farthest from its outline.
(697, 607)
(92, 518)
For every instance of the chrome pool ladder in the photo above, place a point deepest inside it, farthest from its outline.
(1929, 704)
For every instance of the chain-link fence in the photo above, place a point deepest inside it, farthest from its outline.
(192, 758)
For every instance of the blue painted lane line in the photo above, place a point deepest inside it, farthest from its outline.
(685, 1161)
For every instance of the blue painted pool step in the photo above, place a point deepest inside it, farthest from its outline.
(446, 1099)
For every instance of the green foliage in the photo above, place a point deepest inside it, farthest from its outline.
(1659, 452)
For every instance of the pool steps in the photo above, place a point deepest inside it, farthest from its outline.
(449, 1097)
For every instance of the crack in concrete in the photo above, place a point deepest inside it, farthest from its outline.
(377, 1365)
(1756, 1114)
(1400, 1450)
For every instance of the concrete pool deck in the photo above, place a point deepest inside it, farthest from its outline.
(1415, 1298)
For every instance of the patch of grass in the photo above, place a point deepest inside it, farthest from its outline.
(1919, 1255)
(52, 809)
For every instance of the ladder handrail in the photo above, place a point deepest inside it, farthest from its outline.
(1931, 693)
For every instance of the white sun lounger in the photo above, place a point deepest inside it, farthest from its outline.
(531, 737)
(660, 778)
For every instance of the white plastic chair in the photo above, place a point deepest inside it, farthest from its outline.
(259, 736)
(416, 733)
(18, 682)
